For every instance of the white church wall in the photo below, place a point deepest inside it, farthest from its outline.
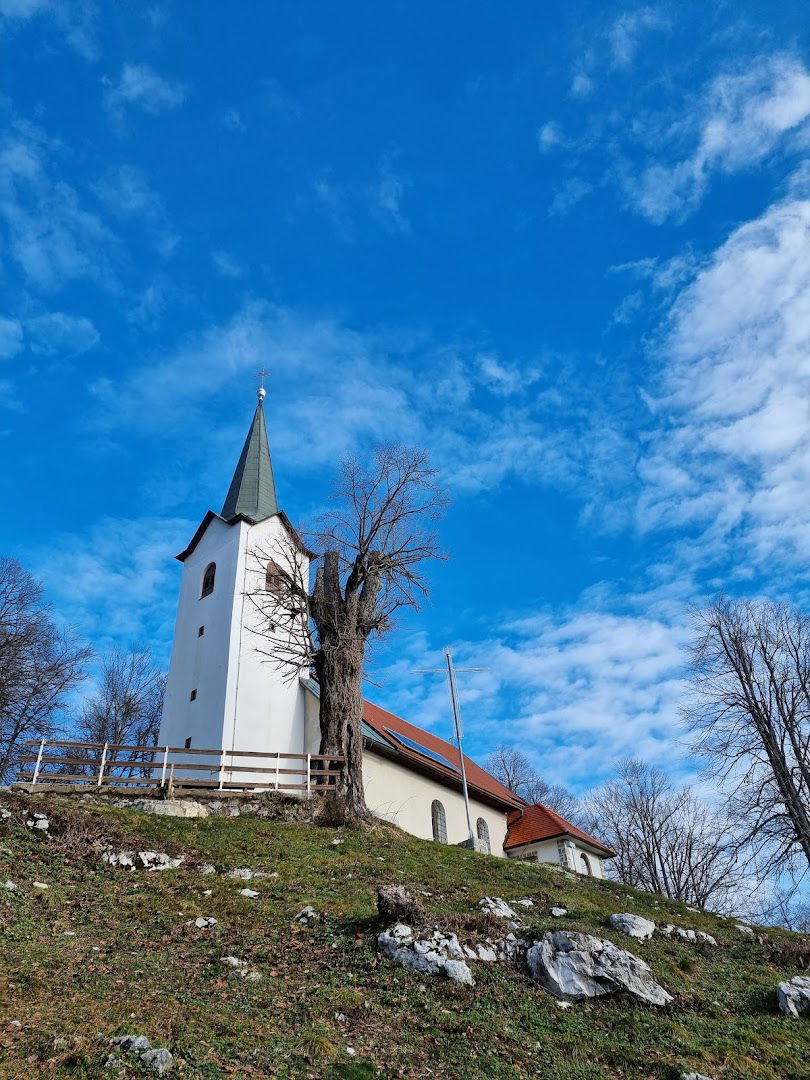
(265, 708)
(200, 663)
(404, 797)
(547, 851)
(243, 701)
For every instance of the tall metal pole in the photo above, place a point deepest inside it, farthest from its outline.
(456, 707)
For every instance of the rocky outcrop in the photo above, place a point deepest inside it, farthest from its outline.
(794, 996)
(667, 930)
(633, 925)
(142, 860)
(495, 905)
(578, 966)
(439, 954)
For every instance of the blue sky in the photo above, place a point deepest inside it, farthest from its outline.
(564, 247)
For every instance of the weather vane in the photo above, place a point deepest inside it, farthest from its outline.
(261, 376)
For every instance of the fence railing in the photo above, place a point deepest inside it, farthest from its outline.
(101, 767)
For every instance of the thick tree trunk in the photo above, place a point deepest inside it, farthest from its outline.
(340, 675)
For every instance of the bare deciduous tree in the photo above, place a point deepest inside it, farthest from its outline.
(749, 711)
(126, 706)
(39, 664)
(515, 770)
(667, 840)
(375, 540)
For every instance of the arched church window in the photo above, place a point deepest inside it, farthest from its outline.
(482, 829)
(208, 580)
(273, 579)
(439, 820)
(585, 864)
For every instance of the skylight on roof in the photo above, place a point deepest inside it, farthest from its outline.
(412, 744)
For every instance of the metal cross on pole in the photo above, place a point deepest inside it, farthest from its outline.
(455, 705)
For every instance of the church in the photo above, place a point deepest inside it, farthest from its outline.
(224, 697)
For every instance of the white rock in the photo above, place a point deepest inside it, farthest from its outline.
(184, 808)
(793, 996)
(746, 931)
(558, 912)
(207, 892)
(564, 1004)
(307, 915)
(131, 1044)
(40, 885)
(633, 925)
(207, 868)
(694, 1076)
(489, 956)
(497, 906)
(160, 1060)
(251, 894)
(440, 954)
(204, 921)
(241, 873)
(233, 961)
(525, 902)
(578, 966)
(9, 884)
(5, 814)
(337, 840)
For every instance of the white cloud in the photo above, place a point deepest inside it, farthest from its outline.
(51, 234)
(549, 137)
(123, 583)
(387, 194)
(334, 390)
(74, 19)
(626, 33)
(126, 192)
(582, 85)
(737, 122)
(231, 120)
(141, 87)
(11, 338)
(731, 457)
(227, 265)
(582, 688)
(569, 194)
(58, 334)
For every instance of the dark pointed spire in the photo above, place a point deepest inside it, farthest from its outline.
(253, 490)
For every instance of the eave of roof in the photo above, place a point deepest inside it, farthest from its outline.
(211, 514)
(536, 823)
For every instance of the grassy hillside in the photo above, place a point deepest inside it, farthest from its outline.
(103, 952)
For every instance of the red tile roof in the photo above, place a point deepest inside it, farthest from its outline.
(380, 719)
(534, 823)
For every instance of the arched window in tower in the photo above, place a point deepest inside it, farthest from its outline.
(482, 829)
(585, 864)
(208, 580)
(274, 579)
(439, 819)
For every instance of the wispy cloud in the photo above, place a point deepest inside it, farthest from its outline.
(126, 192)
(122, 585)
(11, 338)
(739, 120)
(140, 87)
(59, 334)
(335, 390)
(75, 21)
(730, 455)
(51, 233)
(625, 35)
(227, 265)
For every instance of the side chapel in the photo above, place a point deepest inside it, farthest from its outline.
(222, 693)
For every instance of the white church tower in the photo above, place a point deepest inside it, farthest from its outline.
(221, 692)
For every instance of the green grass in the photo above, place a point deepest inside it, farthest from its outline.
(135, 966)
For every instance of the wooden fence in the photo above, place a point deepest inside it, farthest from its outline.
(97, 765)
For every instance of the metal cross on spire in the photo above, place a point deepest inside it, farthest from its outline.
(262, 375)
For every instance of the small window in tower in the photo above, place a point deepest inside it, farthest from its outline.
(208, 580)
(192, 696)
(274, 579)
(188, 743)
(201, 631)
